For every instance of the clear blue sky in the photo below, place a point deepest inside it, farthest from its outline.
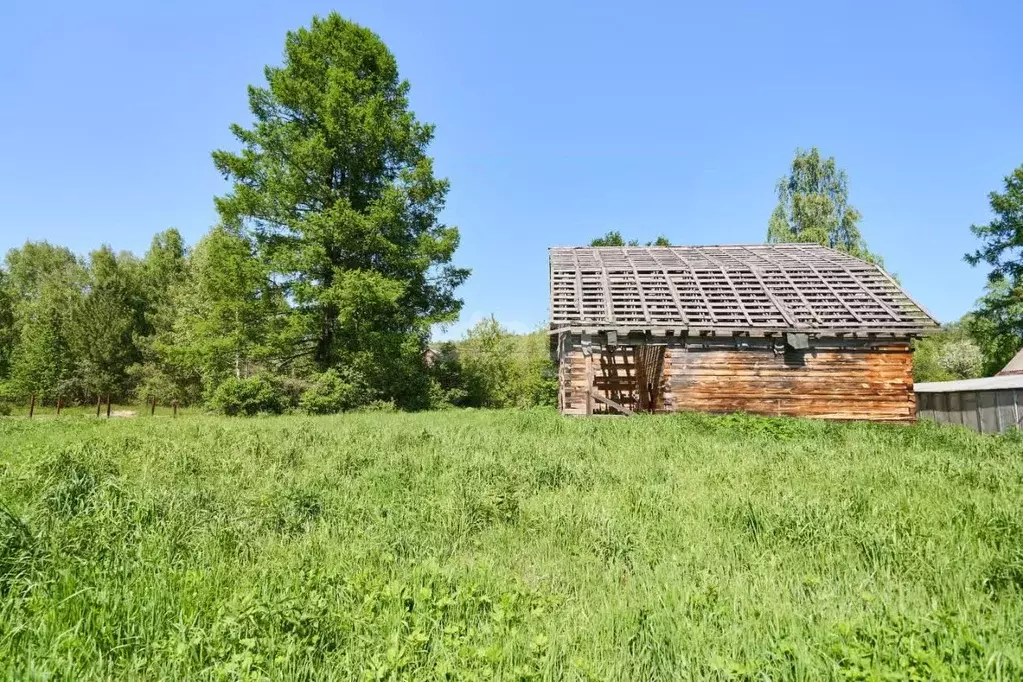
(556, 122)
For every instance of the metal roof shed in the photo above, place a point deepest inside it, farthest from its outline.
(990, 405)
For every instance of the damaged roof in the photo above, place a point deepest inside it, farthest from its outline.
(726, 289)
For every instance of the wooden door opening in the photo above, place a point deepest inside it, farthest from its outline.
(630, 376)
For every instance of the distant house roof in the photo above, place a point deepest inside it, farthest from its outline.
(776, 288)
(1015, 365)
(994, 383)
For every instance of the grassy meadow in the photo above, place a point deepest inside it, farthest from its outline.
(508, 545)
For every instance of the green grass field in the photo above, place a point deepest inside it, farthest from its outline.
(511, 545)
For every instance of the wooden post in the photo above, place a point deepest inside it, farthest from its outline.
(152, 408)
(99, 401)
(175, 405)
(60, 404)
(32, 406)
(108, 406)
(589, 383)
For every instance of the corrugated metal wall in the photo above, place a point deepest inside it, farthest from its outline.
(989, 411)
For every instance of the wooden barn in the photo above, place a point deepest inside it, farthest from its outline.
(784, 329)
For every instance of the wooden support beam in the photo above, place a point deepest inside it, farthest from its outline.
(610, 403)
(589, 383)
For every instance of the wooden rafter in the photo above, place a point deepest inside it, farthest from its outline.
(608, 304)
(699, 288)
(578, 284)
(788, 278)
(731, 285)
(895, 316)
(838, 297)
(642, 294)
(671, 289)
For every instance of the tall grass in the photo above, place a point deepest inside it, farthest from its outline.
(512, 545)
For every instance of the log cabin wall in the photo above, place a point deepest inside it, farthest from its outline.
(842, 379)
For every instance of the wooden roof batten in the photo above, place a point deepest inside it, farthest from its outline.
(742, 289)
(671, 288)
(782, 308)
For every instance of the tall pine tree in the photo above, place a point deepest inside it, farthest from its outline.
(334, 184)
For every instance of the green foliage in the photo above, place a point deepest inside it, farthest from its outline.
(1002, 238)
(813, 207)
(7, 333)
(259, 394)
(228, 311)
(334, 186)
(45, 283)
(508, 545)
(330, 255)
(447, 378)
(109, 316)
(336, 390)
(500, 369)
(950, 354)
(997, 323)
(614, 238)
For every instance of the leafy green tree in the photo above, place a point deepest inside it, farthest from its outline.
(448, 387)
(45, 284)
(501, 369)
(109, 319)
(813, 207)
(1002, 238)
(486, 355)
(997, 324)
(334, 184)
(163, 274)
(615, 238)
(998, 321)
(227, 311)
(7, 335)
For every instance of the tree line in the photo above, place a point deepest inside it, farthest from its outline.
(207, 325)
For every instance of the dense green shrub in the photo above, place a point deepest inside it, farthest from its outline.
(336, 390)
(252, 395)
(497, 368)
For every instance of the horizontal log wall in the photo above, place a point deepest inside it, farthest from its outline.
(834, 379)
